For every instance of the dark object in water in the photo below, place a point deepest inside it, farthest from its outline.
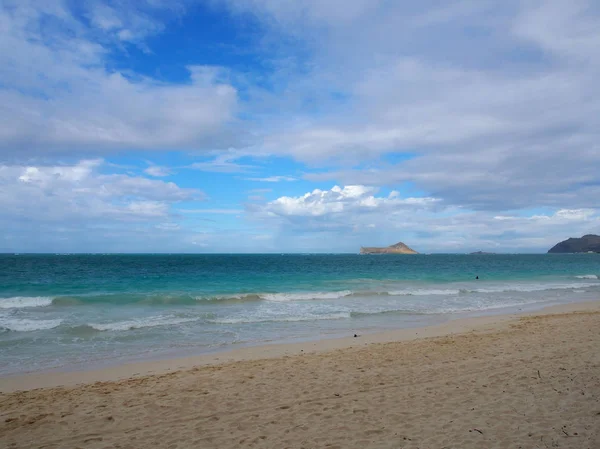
(476, 277)
(355, 335)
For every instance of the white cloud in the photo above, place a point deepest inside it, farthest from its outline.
(224, 163)
(82, 193)
(344, 200)
(488, 98)
(488, 107)
(57, 93)
(495, 102)
(157, 171)
(168, 226)
(211, 211)
(568, 29)
(345, 218)
(278, 178)
(131, 22)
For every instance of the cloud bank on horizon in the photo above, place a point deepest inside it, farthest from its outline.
(267, 125)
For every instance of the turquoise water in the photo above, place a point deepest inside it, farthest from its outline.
(74, 311)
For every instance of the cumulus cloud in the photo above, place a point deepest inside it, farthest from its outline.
(345, 218)
(82, 193)
(342, 200)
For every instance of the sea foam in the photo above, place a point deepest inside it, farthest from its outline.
(533, 287)
(284, 297)
(139, 323)
(23, 325)
(423, 292)
(18, 302)
(275, 319)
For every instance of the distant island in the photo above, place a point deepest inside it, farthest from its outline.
(398, 248)
(589, 243)
(476, 253)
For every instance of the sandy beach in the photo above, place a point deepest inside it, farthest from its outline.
(530, 381)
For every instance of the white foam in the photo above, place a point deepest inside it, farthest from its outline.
(17, 302)
(587, 276)
(533, 287)
(481, 306)
(22, 325)
(331, 316)
(499, 288)
(141, 323)
(284, 297)
(229, 297)
(424, 292)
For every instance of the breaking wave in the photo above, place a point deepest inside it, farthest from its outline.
(139, 323)
(533, 287)
(18, 302)
(24, 325)
(283, 297)
(423, 292)
(166, 299)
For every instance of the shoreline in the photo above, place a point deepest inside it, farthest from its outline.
(133, 370)
(529, 380)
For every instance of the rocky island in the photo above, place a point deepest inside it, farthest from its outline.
(589, 243)
(479, 253)
(398, 248)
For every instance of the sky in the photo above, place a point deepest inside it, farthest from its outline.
(298, 125)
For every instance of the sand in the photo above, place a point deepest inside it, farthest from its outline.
(495, 382)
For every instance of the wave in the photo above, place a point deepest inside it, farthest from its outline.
(189, 299)
(532, 288)
(232, 297)
(331, 316)
(18, 302)
(423, 292)
(284, 297)
(23, 325)
(140, 323)
(276, 297)
(67, 301)
(125, 299)
(292, 296)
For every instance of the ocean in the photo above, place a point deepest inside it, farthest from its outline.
(84, 311)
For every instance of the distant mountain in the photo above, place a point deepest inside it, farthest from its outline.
(398, 248)
(480, 252)
(589, 243)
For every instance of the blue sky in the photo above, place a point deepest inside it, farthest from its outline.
(297, 126)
